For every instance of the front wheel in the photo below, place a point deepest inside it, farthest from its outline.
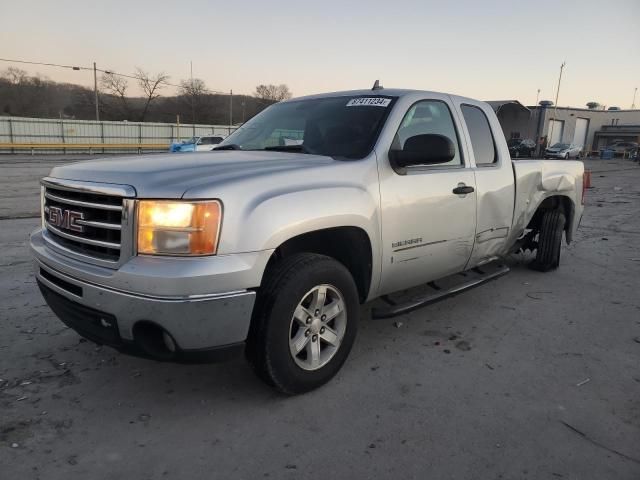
(549, 241)
(304, 324)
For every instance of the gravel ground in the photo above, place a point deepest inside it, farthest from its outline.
(532, 376)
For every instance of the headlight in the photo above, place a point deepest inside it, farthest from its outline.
(167, 227)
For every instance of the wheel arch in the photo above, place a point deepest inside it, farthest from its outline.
(349, 245)
(554, 202)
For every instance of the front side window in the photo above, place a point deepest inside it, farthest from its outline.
(484, 149)
(429, 117)
(340, 127)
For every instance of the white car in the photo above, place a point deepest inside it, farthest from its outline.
(563, 150)
(206, 143)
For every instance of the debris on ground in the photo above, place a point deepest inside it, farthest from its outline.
(586, 380)
(397, 324)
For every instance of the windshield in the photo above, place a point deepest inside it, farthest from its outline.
(335, 126)
(562, 146)
(191, 140)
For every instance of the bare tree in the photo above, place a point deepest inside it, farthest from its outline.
(274, 93)
(193, 90)
(116, 86)
(150, 86)
(15, 76)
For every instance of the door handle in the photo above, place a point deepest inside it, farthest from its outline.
(463, 189)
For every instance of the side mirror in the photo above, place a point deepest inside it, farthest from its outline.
(424, 149)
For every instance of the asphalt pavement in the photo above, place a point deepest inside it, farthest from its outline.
(532, 376)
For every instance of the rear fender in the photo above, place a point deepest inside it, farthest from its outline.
(539, 180)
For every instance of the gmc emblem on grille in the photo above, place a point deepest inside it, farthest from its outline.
(66, 219)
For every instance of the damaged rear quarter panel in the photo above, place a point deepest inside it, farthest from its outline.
(537, 180)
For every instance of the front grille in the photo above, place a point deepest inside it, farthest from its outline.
(84, 222)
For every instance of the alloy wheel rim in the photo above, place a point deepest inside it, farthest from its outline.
(317, 327)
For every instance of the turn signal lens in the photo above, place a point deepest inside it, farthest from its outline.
(178, 228)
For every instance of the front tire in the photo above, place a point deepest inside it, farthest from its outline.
(549, 241)
(304, 323)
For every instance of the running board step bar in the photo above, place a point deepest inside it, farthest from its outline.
(438, 290)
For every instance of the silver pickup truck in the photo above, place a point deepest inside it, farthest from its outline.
(270, 243)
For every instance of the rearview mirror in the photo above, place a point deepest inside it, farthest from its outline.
(426, 149)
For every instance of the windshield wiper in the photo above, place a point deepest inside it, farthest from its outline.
(288, 148)
(230, 146)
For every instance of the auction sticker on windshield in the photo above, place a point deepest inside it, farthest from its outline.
(369, 102)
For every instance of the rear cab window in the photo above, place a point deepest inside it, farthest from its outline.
(482, 141)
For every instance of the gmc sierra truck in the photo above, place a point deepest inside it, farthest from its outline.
(269, 243)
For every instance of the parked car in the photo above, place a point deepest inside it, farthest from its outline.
(270, 248)
(623, 148)
(563, 150)
(197, 144)
(519, 147)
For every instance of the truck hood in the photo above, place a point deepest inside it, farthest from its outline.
(171, 176)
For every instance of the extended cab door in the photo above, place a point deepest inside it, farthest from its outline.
(495, 190)
(427, 228)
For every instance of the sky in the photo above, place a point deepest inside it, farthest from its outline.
(485, 49)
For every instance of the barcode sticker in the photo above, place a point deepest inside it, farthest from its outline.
(369, 102)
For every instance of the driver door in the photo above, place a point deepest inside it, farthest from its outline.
(427, 229)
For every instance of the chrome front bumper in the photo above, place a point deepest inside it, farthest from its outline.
(197, 321)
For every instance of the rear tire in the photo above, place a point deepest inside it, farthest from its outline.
(293, 287)
(549, 241)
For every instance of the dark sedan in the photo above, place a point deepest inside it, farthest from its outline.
(519, 147)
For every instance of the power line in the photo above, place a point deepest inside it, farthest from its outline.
(72, 67)
(108, 72)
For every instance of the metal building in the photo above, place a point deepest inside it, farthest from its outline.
(592, 128)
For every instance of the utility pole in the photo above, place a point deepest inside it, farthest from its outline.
(193, 108)
(537, 97)
(230, 110)
(633, 104)
(555, 106)
(95, 90)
